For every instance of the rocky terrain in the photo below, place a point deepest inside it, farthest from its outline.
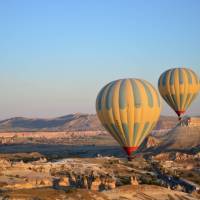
(85, 162)
(129, 192)
(91, 178)
(179, 139)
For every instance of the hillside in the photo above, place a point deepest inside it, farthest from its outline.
(71, 122)
(179, 139)
(166, 122)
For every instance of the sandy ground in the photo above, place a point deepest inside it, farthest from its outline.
(142, 192)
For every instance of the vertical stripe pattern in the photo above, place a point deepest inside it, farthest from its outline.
(178, 87)
(129, 110)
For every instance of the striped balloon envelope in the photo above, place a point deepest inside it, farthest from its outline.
(179, 87)
(129, 110)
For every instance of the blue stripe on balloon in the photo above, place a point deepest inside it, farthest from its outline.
(126, 131)
(180, 73)
(136, 93)
(135, 131)
(181, 100)
(189, 76)
(109, 95)
(146, 125)
(148, 93)
(100, 97)
(117, 132)
(164, 77)
(174, 98)
(187, 100)
(168, 98)
(122, 95)
(195, 76)
(114, 132)
(172, 77)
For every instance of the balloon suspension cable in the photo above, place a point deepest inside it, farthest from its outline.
(130, 151)
(179, 113)
(179, 117)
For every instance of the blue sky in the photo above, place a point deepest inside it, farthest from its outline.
(56, 55)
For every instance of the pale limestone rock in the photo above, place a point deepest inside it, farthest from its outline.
(4, 164)
(85, 182)
(133, 181)
(46, 182)
(179, 188)
(152, 142)
(64, 181)
(111, 184)
(95, 184)
(72, 180)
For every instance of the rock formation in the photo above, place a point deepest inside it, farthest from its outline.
(133, 181)
(64, 181)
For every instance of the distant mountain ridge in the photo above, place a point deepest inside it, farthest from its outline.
(71, 122)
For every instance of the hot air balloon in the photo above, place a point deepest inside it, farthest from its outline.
(129, 110)
(179, 87)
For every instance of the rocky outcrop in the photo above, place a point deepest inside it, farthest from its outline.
(179, 188)
(97, 174)
(4, 164)
(162, 156)
(176, 156)
(133, 181)
(110, 184)
(70, 173)
(64, 182)
(29, 183)
(184, 156)
(152, 142)
(95, 185)
(92, 182)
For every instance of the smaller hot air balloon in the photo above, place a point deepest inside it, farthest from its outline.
(129, 110)
(179, 87)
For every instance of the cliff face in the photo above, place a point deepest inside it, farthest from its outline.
(181, 138)
(185, 139)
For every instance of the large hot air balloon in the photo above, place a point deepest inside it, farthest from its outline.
(128, 109)
(179, 87)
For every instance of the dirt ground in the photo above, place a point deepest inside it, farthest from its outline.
(142, 192)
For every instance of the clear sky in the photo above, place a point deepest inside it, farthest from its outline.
(55, 55)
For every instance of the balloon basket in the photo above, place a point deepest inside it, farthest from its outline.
(130, 158)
